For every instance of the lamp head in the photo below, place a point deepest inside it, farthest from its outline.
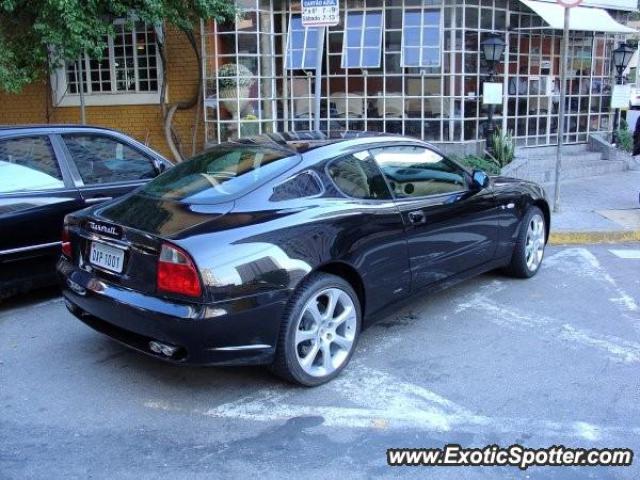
(492, 48)
(622, 56)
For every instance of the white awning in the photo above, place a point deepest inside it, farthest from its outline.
(583, 19)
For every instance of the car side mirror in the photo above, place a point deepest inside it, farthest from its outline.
(480, 180)
(160, 166)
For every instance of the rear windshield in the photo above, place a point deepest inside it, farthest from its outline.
(225, 170)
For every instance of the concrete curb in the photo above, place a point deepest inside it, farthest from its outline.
(616, 236)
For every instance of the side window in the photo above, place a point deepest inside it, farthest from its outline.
(418, 171)
(28, 163)
(101, 159)
(358, 176)
(302, 185)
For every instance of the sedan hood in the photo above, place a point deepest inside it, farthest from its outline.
(164, 218)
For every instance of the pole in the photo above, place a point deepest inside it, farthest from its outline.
(561, 109)
(83, 117)
(505, 76)
(616, 113)
(318, 83)
(638, 65)
(490, 125)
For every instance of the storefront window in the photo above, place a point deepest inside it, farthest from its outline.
(534, 83)
(412, 67)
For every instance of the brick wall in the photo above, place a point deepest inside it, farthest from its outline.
(143, 122)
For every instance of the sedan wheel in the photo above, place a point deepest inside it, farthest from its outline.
(534, 246)
(319, 331)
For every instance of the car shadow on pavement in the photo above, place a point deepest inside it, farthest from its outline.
(30, 298)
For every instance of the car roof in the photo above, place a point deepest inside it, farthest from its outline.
(7, 130)
(303, 141)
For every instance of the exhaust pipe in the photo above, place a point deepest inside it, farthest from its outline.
(162, 348)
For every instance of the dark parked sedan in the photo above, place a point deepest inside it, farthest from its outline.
(278, 250)
(49, 171)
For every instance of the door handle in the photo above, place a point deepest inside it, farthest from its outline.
(91, 201)
(417, 217)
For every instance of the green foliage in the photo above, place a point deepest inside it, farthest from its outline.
(623, 124)
(478, 163)
(37, 33)
(625, 140)
(504, 147)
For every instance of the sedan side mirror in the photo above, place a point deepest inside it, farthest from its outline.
(480, 180)
(160, 166)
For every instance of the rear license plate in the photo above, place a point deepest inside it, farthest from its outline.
(107, 257)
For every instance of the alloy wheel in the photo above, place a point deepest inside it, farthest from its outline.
(325, 332)
(534, 244)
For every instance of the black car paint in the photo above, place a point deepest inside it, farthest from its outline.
(253, 252)
(31, 221)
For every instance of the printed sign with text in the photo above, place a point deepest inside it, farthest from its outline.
(320, 13)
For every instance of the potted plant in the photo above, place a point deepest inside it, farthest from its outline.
(249, 126)
(234, 83)
(503, 146)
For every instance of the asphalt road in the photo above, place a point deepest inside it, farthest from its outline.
(548, 361)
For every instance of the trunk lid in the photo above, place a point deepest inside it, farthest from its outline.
(158, 217)
(136, 227)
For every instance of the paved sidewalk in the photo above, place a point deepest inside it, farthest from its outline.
(602, 208)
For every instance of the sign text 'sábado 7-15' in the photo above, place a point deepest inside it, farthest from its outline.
(320, 13)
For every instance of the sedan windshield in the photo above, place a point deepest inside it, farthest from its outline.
(224, 171)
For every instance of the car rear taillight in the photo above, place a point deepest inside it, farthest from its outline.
(66, 242)
(177, 272)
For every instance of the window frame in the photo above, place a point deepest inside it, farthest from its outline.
(288, 56)
(422, 10)
(329, 162)
(73, 168)
(62, 97)
(465, 172)
(361, 46)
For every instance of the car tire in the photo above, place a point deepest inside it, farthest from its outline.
(323, 317)
(528, 251)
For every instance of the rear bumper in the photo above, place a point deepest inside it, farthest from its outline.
(236, 332)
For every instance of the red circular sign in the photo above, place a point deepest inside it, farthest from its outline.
(569, 3)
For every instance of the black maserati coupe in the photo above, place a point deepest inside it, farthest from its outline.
(279, 249)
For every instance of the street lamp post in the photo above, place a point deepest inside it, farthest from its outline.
(621, 58)
(492, 49)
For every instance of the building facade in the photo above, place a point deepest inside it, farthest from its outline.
(411, 67)
(122, 90)
(414, 67)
